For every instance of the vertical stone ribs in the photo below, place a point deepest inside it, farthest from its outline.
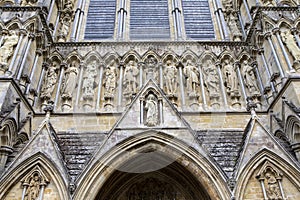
(224, 147)
(78, 148)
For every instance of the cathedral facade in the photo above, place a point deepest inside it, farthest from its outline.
(149, 99)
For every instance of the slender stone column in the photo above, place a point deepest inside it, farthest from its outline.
(222, 18)
(44, 69)
(36, 58)
(242, 24)
(218, 64)
(121, 19)
(120, 85)
(202, 86)
(4, 32)
(80, 20)
(286, 57)
(238, 71)
(31, 38)
(177, 20)
(62, 73)
(99, 86)
(76, 20)
(266, 66)
(295, 34)
(16, 51)
(142, 99)
(140, 65)
(181, 85)
(42, 189)
(56, 26)
(247, 9)
(268, 37)
(260, 83)
(25, 186)
(161, 76)
(263, 189)
(81, 67)
(218, 20)
(50, 11)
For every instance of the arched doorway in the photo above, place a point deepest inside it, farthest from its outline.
(152, 177)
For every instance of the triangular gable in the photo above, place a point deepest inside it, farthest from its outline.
(132, 124)
(43, 142)
(259, 138)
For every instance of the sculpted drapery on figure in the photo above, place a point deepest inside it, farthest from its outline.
(89, 80)
(192, 77)
(70, 81)
(33, 189)
(130, 78)
(272, 189)
(152, 110)
(231, 79)
(289, 41)
(211, 79)
(49, 81)
(65, 21)
(170, 75)
(110, 79)
(7, 48)
(232, 21)
(249, 78)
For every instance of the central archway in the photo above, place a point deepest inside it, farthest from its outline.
(138, 167)
(153, 181)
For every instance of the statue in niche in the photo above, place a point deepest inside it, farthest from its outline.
(29, 2)
(233, 27)
(272, 189)
(151, 69)
(152, 110)
(289, 41)
(49, 82)
(89, 84)
(170, 75)
(268, 3)
(130, 78)
(65, 21)
(33, 189)
(192, 76)
(231, 79)
(110, 80)
(250, 79)
(212, 82)
(70, 80)
(7, 48)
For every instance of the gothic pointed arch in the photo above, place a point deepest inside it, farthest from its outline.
(153, 157)
(37, 167)
(254, 175)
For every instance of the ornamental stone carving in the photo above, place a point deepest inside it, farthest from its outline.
(110, 80)
(231, 79)
(232, 22)
(29, 2)
(68, 85)
(170, 75)
(34, 184)
(268, 3)
(192, 78)
(49, 82)
(89, 81)
(66, 18)
(212, 82)
(151, 68)
(7, 49)
(130, 78)
(250, 79)
(290, 43)
(151, 109)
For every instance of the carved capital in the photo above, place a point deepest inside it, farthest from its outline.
(276, 30)
(261, 51)
(39, 52)
(23, 31)
(45, 65)
(267, 35)
(31, 36)
(4, 32)
(294, 30)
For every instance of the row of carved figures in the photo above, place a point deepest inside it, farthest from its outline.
(170, 76)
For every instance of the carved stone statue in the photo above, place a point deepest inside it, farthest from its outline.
(170, 75)
(49, 82)
(151, 68)
(152, 111)
(250, 79)
(88, 84)
(70, 81)
(192, 76)
(211, 79)
(7, 48)
(289, 41)
(272, 189)
(130, 78)
(231, 79)
(233, 27)
(33, 189)
(110, 79)
(65, 21)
